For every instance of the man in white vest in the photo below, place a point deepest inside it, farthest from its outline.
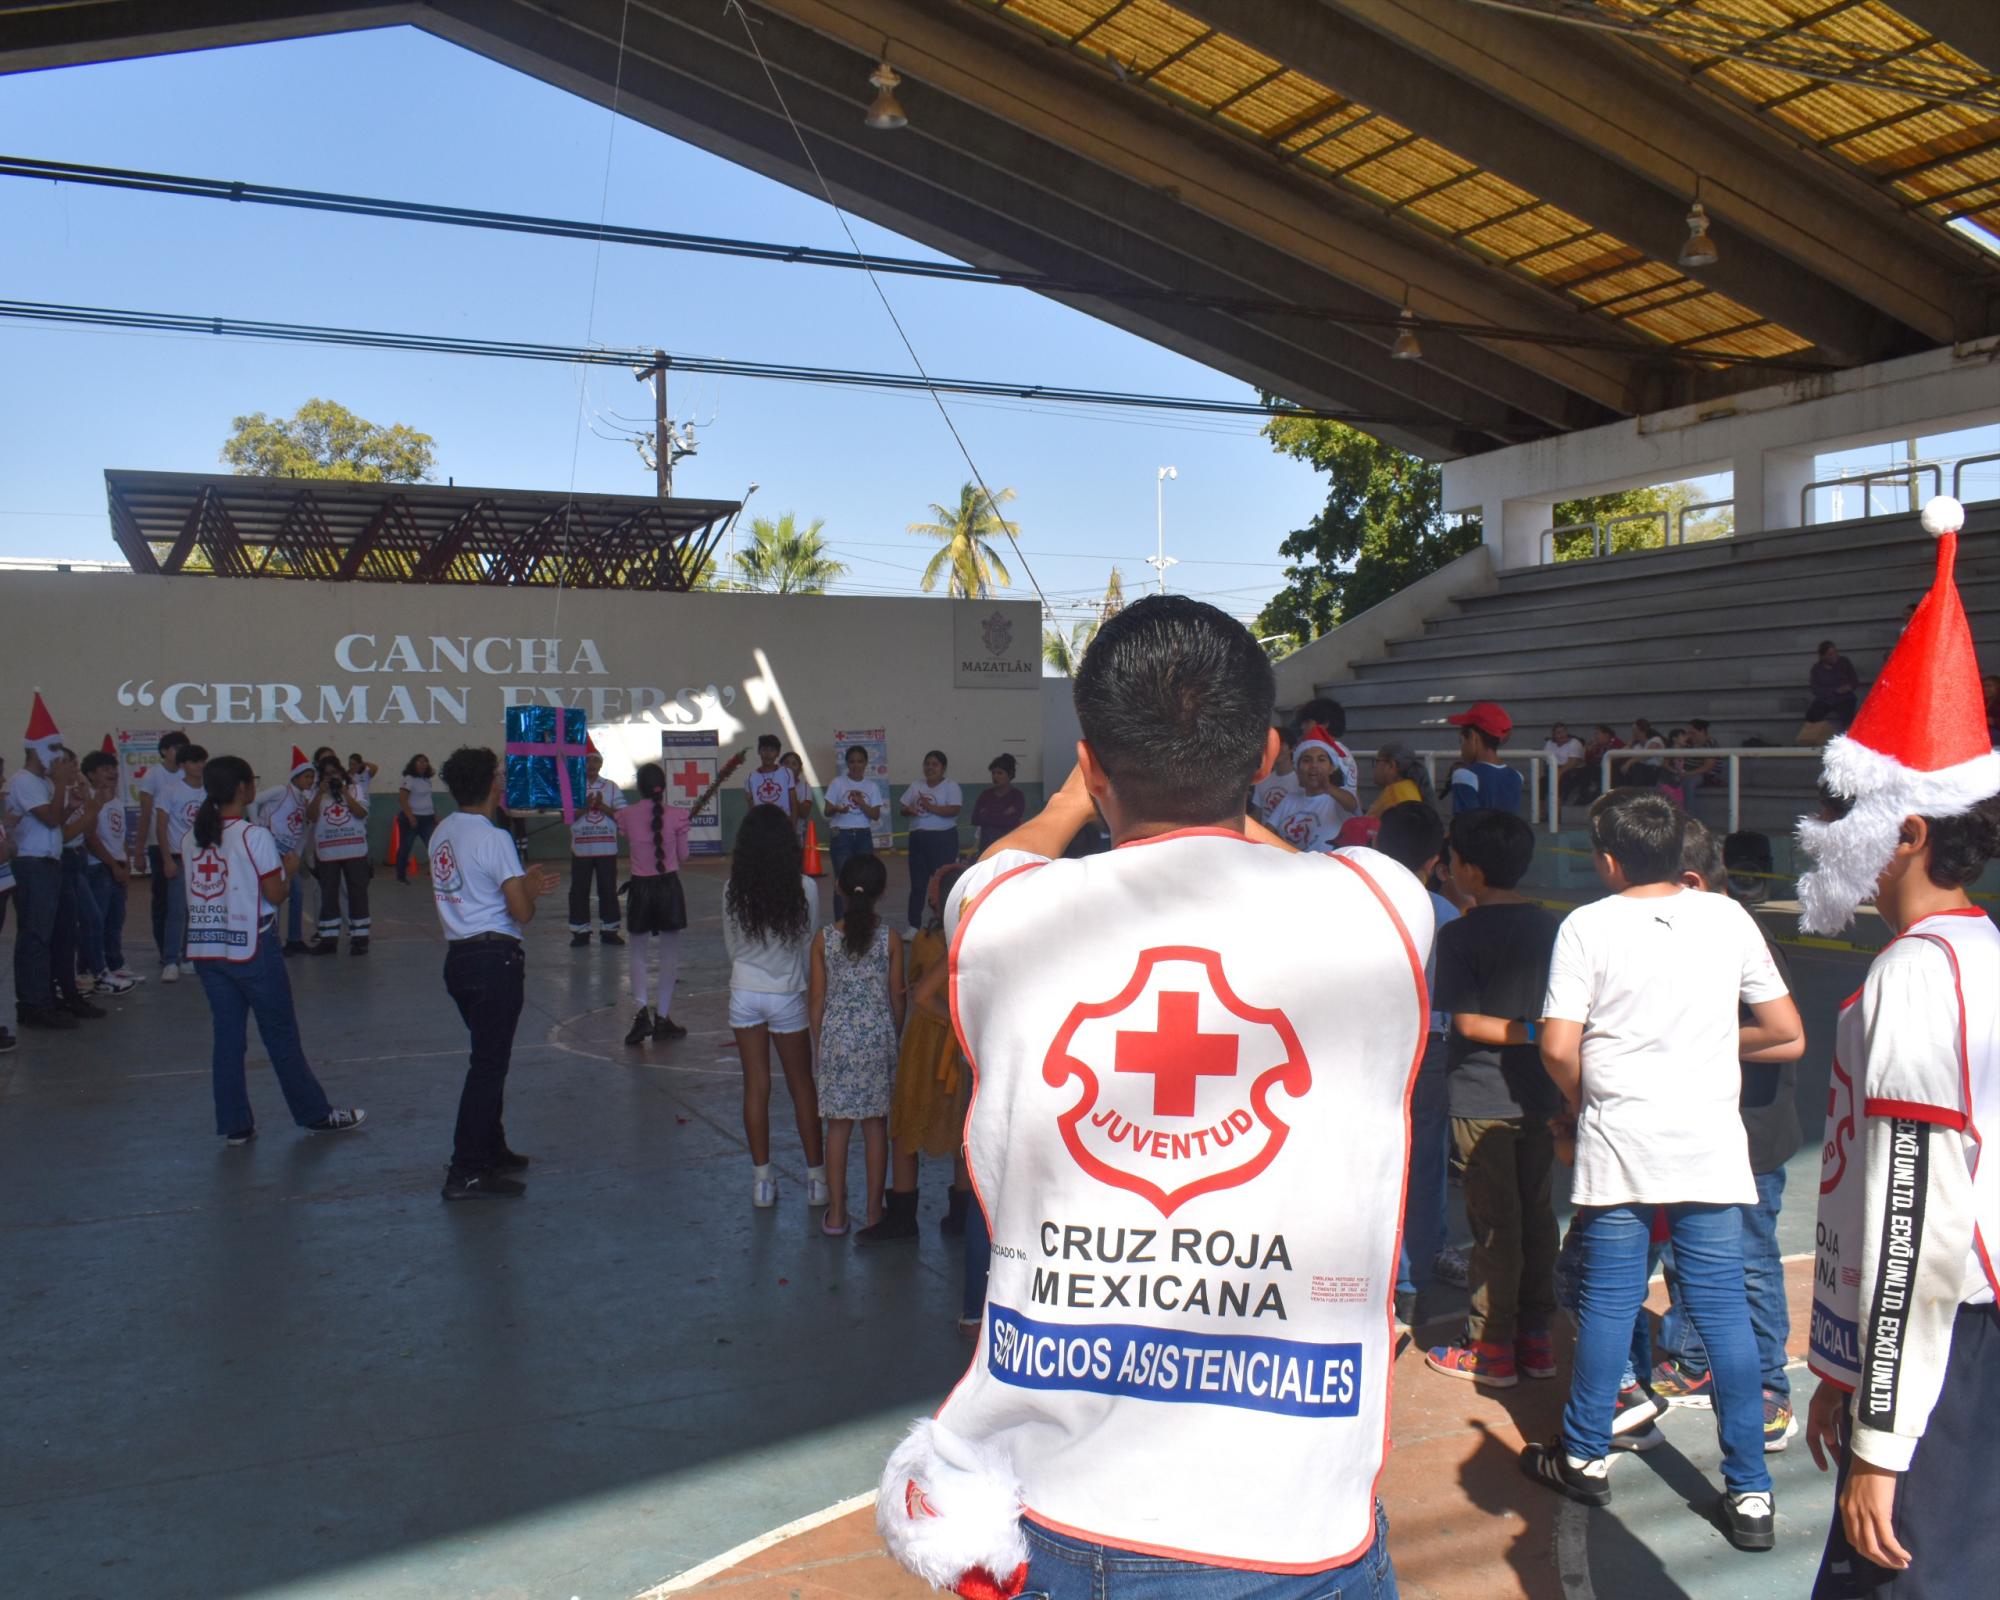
(1189, 1135)
(1905, 1335)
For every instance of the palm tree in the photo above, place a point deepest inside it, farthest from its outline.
(783, 558)
(968, 561)
(1065, 655)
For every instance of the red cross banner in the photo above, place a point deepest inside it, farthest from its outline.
(690, 761)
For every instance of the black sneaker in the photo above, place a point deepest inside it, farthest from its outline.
(510, 1160)
(610, 936)
(1750, 1519)
(952, 1223)
(1586, 1481)
(240, 1136)
(44, 1017)
(324, 947)
(7, 1041)
(357, 947)
(641, 1029)
(1638, 1409)
(296, 947)
(338, 1121)
(481, 1186)
(1406, 1309)
(579, 941)
(667, 1028)
(77, 1006)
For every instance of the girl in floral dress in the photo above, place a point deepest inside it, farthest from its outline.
(856, 1003)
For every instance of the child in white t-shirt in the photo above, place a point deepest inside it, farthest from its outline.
(1310, 817)
(1640, 1033)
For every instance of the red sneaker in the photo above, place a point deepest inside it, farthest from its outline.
(1535, 1354)
(1488, 1364)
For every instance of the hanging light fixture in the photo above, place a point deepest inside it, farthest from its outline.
(1405, 347)
(885, 111)
(1699, 251)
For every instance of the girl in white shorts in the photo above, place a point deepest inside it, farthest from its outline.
(770, 911)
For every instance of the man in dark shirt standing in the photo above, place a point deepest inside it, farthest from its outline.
(1492, 975)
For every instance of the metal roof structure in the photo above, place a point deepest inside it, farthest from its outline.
(186, 523)
(1517, 173)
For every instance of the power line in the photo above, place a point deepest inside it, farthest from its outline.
(238, 192)
(522, 350)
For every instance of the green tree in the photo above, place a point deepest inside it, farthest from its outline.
(1382, 528)
(1064, 652)
(783, 558)
(1635, 519)
(967, 531)
(323, 439)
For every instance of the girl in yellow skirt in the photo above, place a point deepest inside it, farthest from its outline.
(933, 1085)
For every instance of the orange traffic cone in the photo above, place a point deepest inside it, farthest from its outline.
(813, 868)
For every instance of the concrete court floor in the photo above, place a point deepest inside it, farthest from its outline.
(290, 1370)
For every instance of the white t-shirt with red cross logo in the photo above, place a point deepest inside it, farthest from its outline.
(226, 908)
(773, 788)
(1192, 1058)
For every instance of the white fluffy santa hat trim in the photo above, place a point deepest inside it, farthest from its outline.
(1317, 738)
(950, 1511)
(1918, 748)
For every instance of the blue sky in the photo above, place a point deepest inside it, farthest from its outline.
(400, 114)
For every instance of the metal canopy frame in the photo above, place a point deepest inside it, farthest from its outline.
(336, 530)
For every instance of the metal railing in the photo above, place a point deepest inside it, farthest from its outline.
(1958, 472)
(1904, 474)
(1733, 755)
(1681, 516)
(1541, 761)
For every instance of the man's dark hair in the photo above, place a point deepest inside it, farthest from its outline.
(96, 760)
(1174, 698)
(854, 750)
(1747, 858)
(172, 741)
(1701, 854)
(1410, 834)
(468, 774)
(769, 741)
(1328, 712)
(1498, 843)
(1962, 845)
(1824, 646)
(1640, 829)
(193, 752)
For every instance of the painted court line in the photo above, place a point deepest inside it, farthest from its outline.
(681, 1582)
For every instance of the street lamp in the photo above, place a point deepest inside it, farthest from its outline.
(1161, 561)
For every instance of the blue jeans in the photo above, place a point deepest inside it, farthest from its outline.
(1062, 1568)
(87, 923)
(236, 991)
(1426, 1200)
(406, 843)
(173, 938)
(1611, 1287)
(37, 899)
(842, 846)
(106, 896)
(295, 910)
(1763, 1287)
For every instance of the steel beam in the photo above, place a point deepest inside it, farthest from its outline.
(1823, 219)
(35, 35)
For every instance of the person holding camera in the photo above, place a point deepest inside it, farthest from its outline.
(339, 818)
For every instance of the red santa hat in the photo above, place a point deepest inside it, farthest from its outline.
(1919, 746)
(299, 762)
(1317, 738)
(949, 1510)
(108, 747)
(590, 746)
(42, 737)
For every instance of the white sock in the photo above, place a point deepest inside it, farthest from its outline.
(816, 1174)
(635, 964)
(670, 971)
(761, 1174)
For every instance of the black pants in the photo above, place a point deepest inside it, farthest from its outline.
(582, 869)
(158, 897)
(354, 873)
(930, 848)
(486, 978)
(1948, 1504)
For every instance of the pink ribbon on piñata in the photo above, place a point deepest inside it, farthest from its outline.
(564, 753)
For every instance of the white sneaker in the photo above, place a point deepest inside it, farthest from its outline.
(763, 1193)
(816, 1192)
(125, 975)
(170, 973)
(111, 983)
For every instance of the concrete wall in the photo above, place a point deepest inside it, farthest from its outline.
(1330, 658)
(252, 667)
(1767, 437)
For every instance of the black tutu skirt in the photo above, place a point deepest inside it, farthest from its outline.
(655, 904)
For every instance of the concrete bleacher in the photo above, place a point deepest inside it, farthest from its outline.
(1724, 630)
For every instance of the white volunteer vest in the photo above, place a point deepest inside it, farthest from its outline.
(225, 898)
(287, 820)
(594, 834)
(1190, 1132)
(338, 834)
(1973, 944)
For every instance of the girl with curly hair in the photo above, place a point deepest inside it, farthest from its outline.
(656, 907)
(770, 911)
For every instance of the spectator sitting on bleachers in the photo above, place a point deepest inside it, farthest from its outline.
(1567, 751)
(1640, 772)
(1587, 781)
(1835, 686)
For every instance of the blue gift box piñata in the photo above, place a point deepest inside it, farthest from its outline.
(545, 750)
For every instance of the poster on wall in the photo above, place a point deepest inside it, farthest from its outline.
(876, 742)
(138, 752)
(690, 760)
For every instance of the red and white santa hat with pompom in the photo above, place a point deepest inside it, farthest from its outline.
(1918, 747)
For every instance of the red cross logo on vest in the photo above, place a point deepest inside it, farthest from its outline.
(1177, 1075)
(691, 779)
(208, 878)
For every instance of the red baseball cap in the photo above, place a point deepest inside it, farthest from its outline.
(1488, 718)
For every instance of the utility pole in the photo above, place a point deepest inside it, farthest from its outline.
(1161, 561)
(668, 446)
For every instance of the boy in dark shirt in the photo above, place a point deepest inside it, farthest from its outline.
(1492, 974)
